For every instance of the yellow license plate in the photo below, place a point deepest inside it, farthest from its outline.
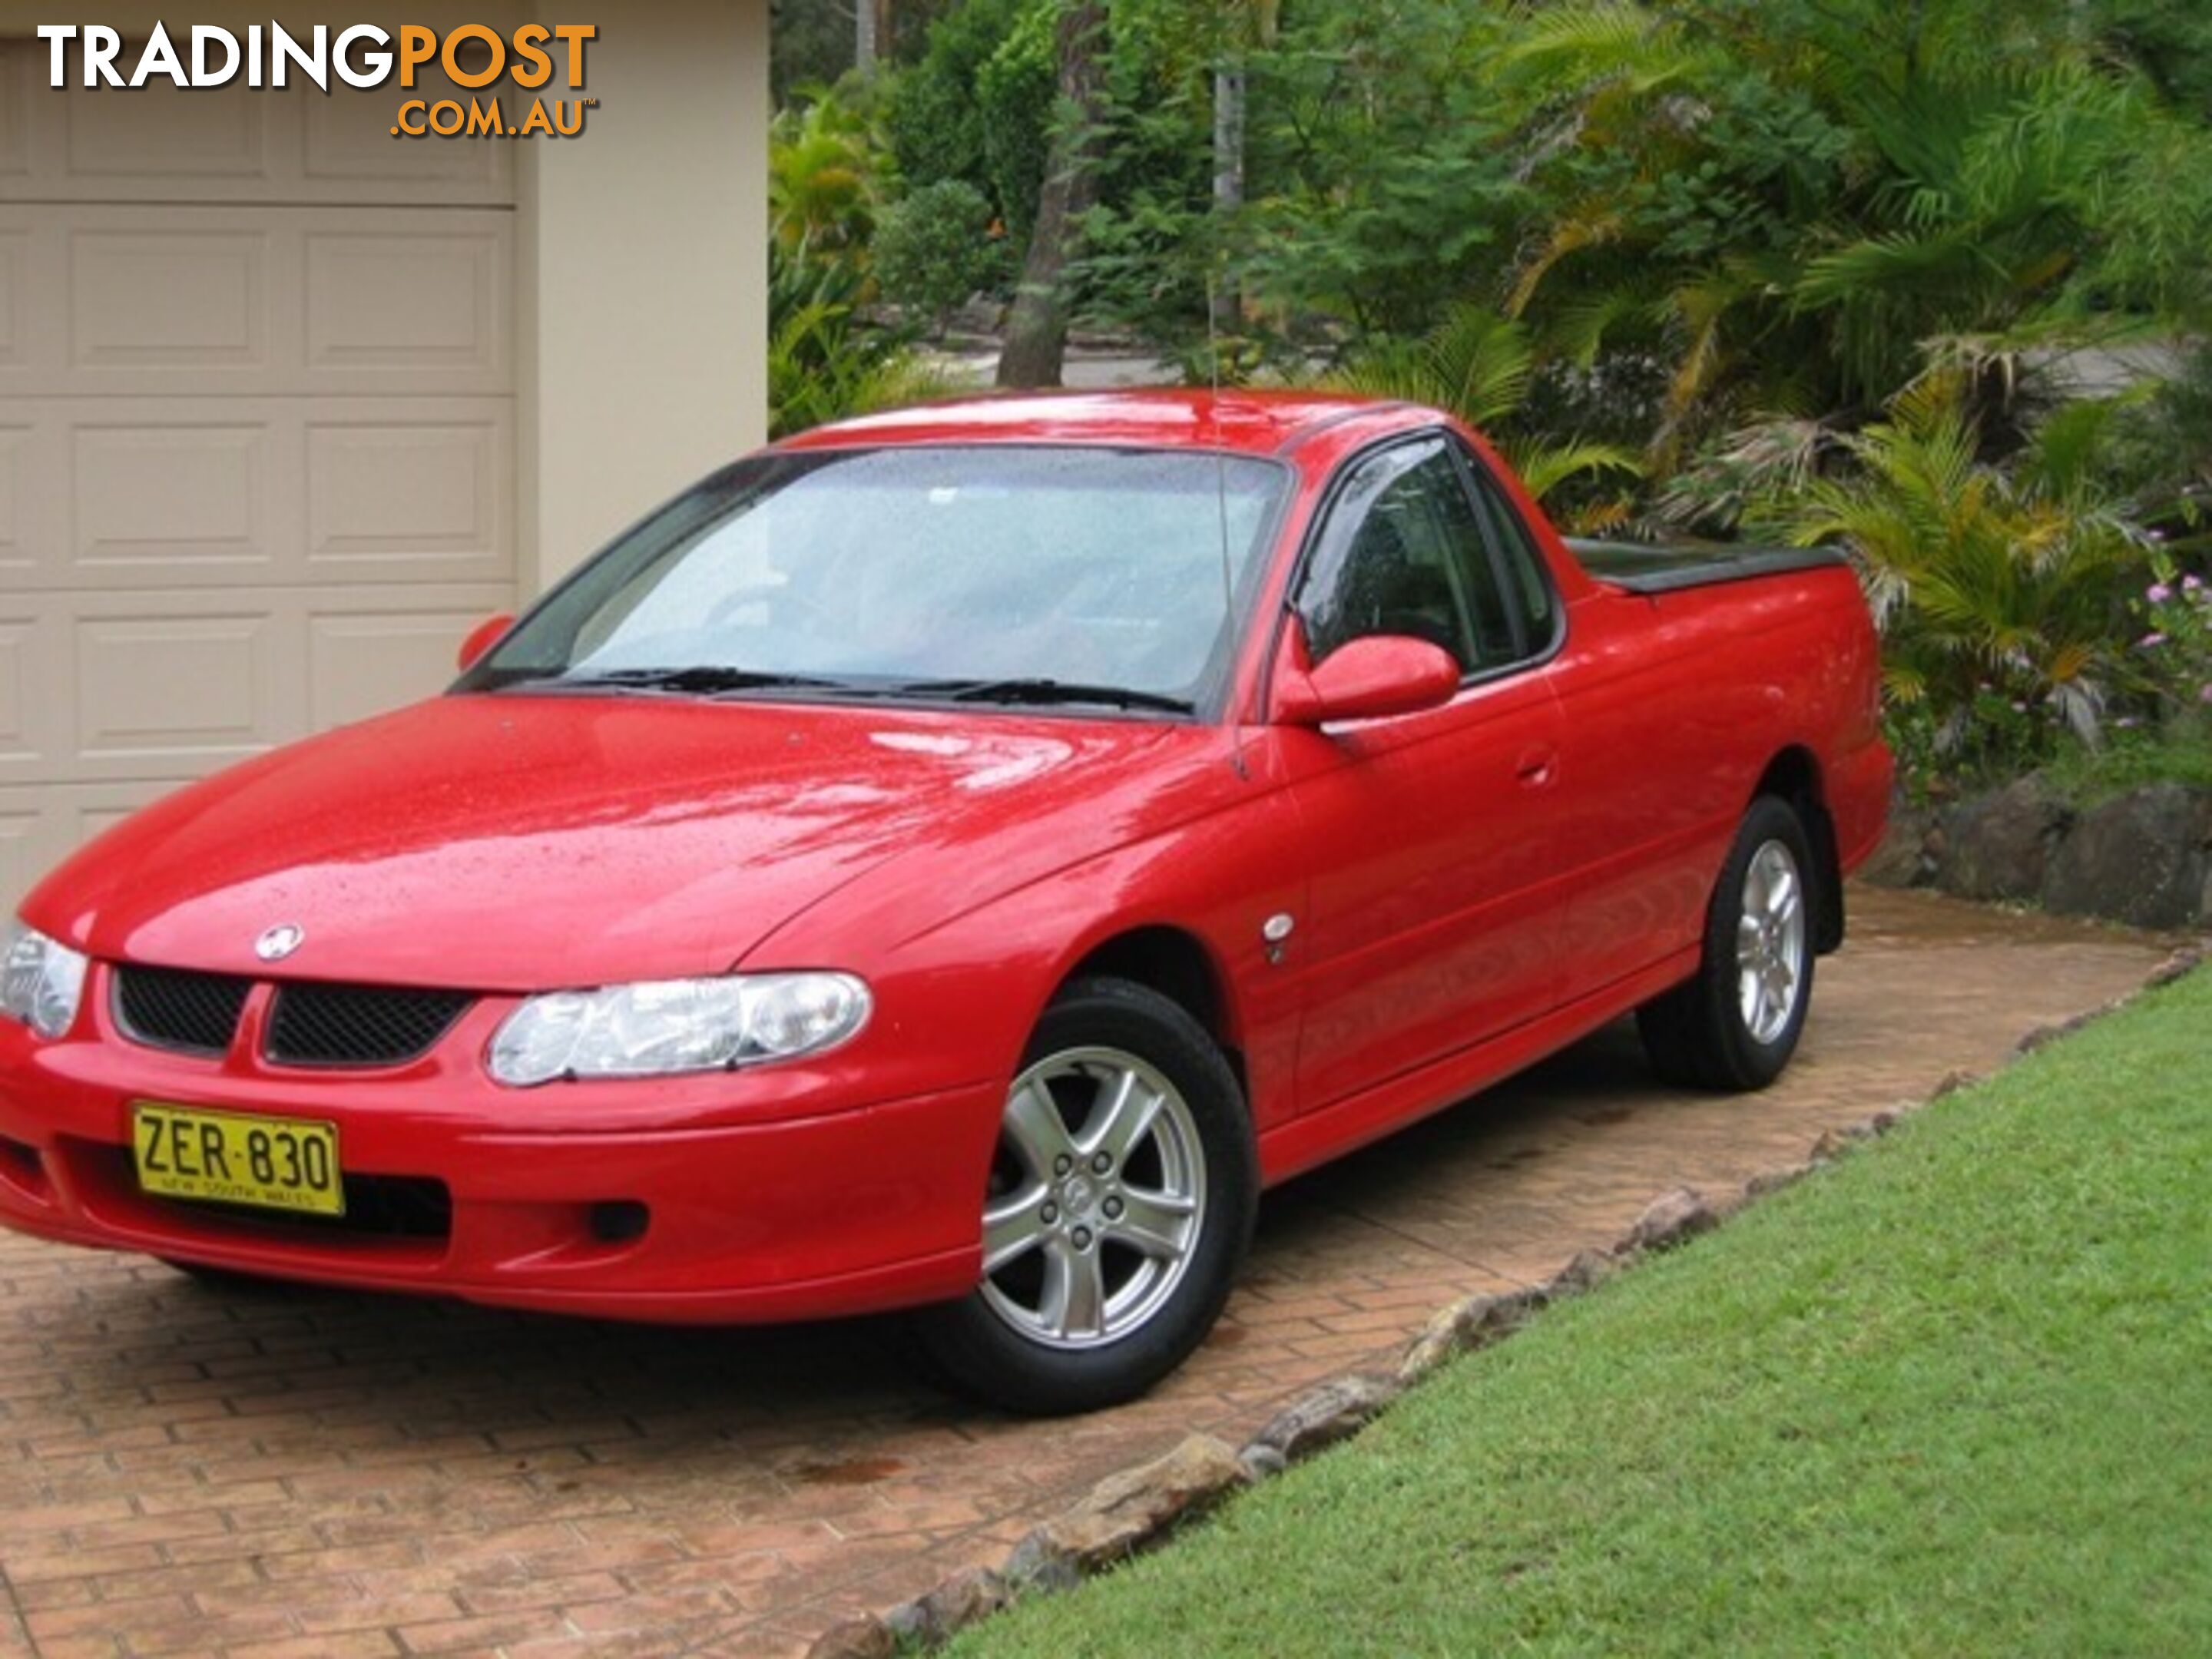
(231, 1157)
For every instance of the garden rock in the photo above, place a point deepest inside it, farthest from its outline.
(1334, 1412)
(1128, 1509)
(2145, 858)
(2043, 1036)
(1907, 855)
(1262, 1463)
(2141, 859)
(1467, 1324)
(2186, 961)
(959, 1602)
(1672, 1218)
(1774, 1180)
(2000, 845)
(1832, 1145)
(1586, 1271)
(865, 1637)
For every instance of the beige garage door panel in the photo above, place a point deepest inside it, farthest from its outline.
(254, 301)
(227, 144)
(256, 431)
(111, 493)
(170, 684)
(159, 688)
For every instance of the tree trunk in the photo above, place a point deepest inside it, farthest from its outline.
(1228, 300)
(867, 36)
(1037, 326)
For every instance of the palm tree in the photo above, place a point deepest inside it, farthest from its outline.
(2010, 581)
(822, 186)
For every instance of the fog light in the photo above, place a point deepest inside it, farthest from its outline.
(21, 1165)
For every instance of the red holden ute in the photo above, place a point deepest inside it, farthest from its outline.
(954, 861)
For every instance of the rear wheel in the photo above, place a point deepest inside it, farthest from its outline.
(1119, 1205)
(1736, 1023)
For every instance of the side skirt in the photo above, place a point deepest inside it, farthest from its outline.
(1306, 1142)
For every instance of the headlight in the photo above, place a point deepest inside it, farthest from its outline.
(41, 981)
(677, 1025)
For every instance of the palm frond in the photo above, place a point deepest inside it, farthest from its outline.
(1585, 40)
(1592, 225)
(1544, 467)
(1475, 364)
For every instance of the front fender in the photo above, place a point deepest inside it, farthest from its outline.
(962, 995)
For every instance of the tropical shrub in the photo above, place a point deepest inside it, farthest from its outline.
(935, 248)
(2000, 593)
(824, 179)
(978, 106)
(1480, 366)
(826, 360)
(2173, 654)
(1790, 202)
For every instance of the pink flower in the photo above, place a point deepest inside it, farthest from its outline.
(2150, 641)
(2189, 584)
(2204, 694)
(2128, 723)
(2158, 594)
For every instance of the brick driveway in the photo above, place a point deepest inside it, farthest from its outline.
(183, 1471)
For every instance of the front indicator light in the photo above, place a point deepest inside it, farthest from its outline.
(41, 979)
(665, 1027)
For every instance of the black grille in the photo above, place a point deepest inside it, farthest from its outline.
(359, 1025)
(166, 1008)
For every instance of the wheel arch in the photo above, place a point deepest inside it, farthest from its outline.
(1179, 965)
(1794, 775)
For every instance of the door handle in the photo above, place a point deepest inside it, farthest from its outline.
(1536, 768)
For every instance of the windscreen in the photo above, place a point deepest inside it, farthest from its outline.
(917, 568)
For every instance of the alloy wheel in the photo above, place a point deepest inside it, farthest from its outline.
(1770, 942)
(1096, 1200)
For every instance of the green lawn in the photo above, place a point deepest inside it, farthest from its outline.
(1952, 1396)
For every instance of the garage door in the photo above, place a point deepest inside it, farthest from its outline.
(256, 431)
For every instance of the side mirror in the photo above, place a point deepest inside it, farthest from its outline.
(1365, 679)
(484, 635)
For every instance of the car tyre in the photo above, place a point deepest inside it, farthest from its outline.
(1118, 1209)
(1733, 1025)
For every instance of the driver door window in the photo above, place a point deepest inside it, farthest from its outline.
(1403, 553)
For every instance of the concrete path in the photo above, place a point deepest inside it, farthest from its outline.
(186, 1471)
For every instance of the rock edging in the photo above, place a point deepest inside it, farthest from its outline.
(1138, 1508)
(2143, 857)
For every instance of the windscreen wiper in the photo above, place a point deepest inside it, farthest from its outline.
(697, 680)
(1044, 691)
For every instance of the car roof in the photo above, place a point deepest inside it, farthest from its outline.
(1238, 421)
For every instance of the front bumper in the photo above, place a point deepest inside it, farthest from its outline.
(828, 1202)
